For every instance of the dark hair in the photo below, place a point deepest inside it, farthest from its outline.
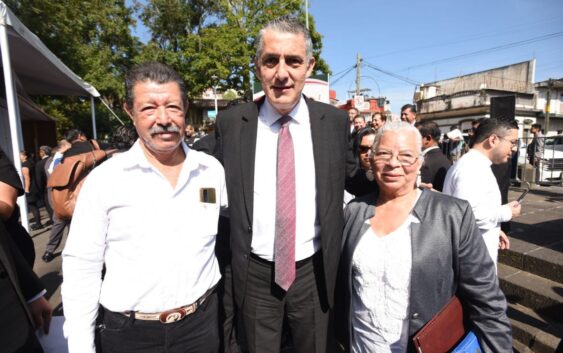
(430, 129)
(285, 24)
(360, 117)
(361, 134)
(383, 116)
(356, 109)
(46, 149)
(493, 126)
(155, 72)
(124, 137)
(73, 134)
(412, 107)
(536, 126)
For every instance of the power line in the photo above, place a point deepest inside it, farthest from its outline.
(346, 69)
(488, 50)
(458, 40)
(343, 75)
(397, 76)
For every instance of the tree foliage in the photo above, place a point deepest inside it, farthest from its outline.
(209, 42)
(94, 39)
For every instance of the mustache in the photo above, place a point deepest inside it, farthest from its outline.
(158, 129)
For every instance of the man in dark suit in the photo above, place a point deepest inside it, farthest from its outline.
(436, 165)
(285, 160)
(41, 180)
(22, 304)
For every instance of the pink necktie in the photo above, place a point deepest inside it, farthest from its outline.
(284, 244)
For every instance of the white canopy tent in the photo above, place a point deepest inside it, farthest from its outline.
(39, 72)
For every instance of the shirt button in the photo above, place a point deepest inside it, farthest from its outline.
(415, 316)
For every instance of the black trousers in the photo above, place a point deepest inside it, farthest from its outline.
(266, 306)
(196, 333)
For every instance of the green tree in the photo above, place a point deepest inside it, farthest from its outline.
(93, 38)
(212, 42)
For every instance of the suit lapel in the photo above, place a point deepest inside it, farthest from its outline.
(248, 131)
(319, 136)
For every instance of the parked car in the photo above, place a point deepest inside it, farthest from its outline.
(551, 164)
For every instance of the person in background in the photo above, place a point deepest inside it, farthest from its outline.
(31, 189)
(535, 149)
(190, 137)
(365, 137)
(436, 165)
(406, 253)
(41, 180)
(472, 179)
(378, 120)
(408, 113)
(352, 114)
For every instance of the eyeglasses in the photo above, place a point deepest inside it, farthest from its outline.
(405, 159)
(364, 149)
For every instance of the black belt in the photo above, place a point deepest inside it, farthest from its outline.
(298, 264)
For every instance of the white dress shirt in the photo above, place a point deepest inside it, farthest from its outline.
(472, 179)
(156, 241)
(307, 240)
(381, 276)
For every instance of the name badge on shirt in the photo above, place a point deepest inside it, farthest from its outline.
(207, 195)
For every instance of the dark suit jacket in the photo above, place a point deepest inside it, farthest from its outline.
(235, 133)
(41, 176)
(449, 257)
(18, 284)
(434, 168)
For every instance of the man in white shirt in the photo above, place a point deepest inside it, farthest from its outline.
(285, 157)
(158, 290)
(471, 179)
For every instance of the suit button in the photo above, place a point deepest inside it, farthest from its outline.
(3, 274)
(415, 316)
(245, 256)
(249, 229)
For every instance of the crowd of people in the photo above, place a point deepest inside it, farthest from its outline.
(239, 241)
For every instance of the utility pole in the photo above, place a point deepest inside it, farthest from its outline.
(307, 14)
(358, 63)
(548, 105)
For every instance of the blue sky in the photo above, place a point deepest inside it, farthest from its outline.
(399, 35)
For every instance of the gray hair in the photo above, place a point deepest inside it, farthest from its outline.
(155, 72)
(285, 24)
(396, 126)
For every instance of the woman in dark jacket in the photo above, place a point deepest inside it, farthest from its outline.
(406, 252)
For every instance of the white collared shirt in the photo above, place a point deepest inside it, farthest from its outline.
(156, 241)
(472, 179)
(307, 240)
(381, 277)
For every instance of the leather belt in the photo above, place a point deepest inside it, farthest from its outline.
(172, 315)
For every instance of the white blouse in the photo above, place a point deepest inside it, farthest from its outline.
(381, 274)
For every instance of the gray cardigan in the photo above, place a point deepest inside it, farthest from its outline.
(448, 257)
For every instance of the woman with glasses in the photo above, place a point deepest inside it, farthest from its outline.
(406, 253)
